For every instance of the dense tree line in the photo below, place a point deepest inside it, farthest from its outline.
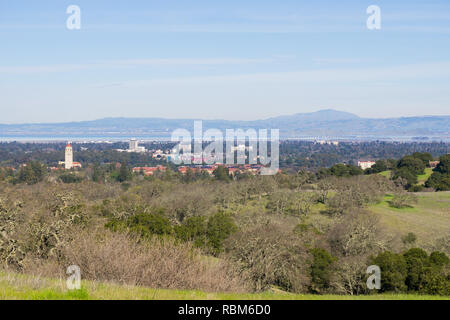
(293, 154)
(14, 154)
(440, 179)
(414, 271)
(302, 154)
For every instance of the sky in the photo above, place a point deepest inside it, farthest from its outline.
(210, 59)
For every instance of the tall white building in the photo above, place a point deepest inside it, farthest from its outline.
(133, 144)
(68, 160)
(133, 147)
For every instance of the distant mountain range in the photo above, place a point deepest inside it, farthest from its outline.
(325, 124)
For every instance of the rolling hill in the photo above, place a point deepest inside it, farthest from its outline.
(324, 123)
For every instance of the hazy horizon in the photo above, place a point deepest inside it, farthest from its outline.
(221, 119)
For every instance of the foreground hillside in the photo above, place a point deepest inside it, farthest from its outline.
(429, 219)
(15, 286)
(299, 233)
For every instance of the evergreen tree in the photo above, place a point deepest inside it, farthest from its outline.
(124, 172)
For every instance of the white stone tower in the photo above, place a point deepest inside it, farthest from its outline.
(133, 145)
(68, 161)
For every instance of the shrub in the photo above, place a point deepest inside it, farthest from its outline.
(436, 283)
(379, 166)
(417, 262)
(150, 223)
(209, 234)
(349, 276)
(221, 173)
(357, 234)
(410, 238)
(145, 224)
(124, 172)
(31, 173)
(393, 271)
(192, 229)
(426, 157)
(425, 273)
(414, 271)
(444, 164)
(414, 165)
(220, 227)
(439, 181)
(357, 192)
(416, 188)
(70, 178)
(439, 258)
(11, 250)
(403, 200)
(340, 203)
(156, 263)
(268, 256)
(320, 269)
(345, 170)
(406, 174)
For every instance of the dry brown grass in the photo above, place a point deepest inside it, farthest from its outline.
(157, 263)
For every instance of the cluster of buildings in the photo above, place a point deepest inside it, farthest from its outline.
(190, 157)
(232, 169)
(369, 164)
(149, 171)
(68, 162)
(243, 154)
(160, 155)
(253, 169)
(133, 147)
(334, 143)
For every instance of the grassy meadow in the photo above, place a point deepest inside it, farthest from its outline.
(429, 219)
(422, 178)
(23, 287)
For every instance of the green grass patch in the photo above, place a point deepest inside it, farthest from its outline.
(25, 287)
(386, 173)
(422, 178)
(429, 219)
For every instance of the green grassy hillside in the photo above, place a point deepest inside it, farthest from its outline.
(422, 178)
(429, 219)
(21, 287)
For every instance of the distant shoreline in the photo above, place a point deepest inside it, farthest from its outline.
(113, 139)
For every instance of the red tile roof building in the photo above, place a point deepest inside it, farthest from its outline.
(148, 171)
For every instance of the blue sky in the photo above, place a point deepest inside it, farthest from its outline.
(222, 59)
